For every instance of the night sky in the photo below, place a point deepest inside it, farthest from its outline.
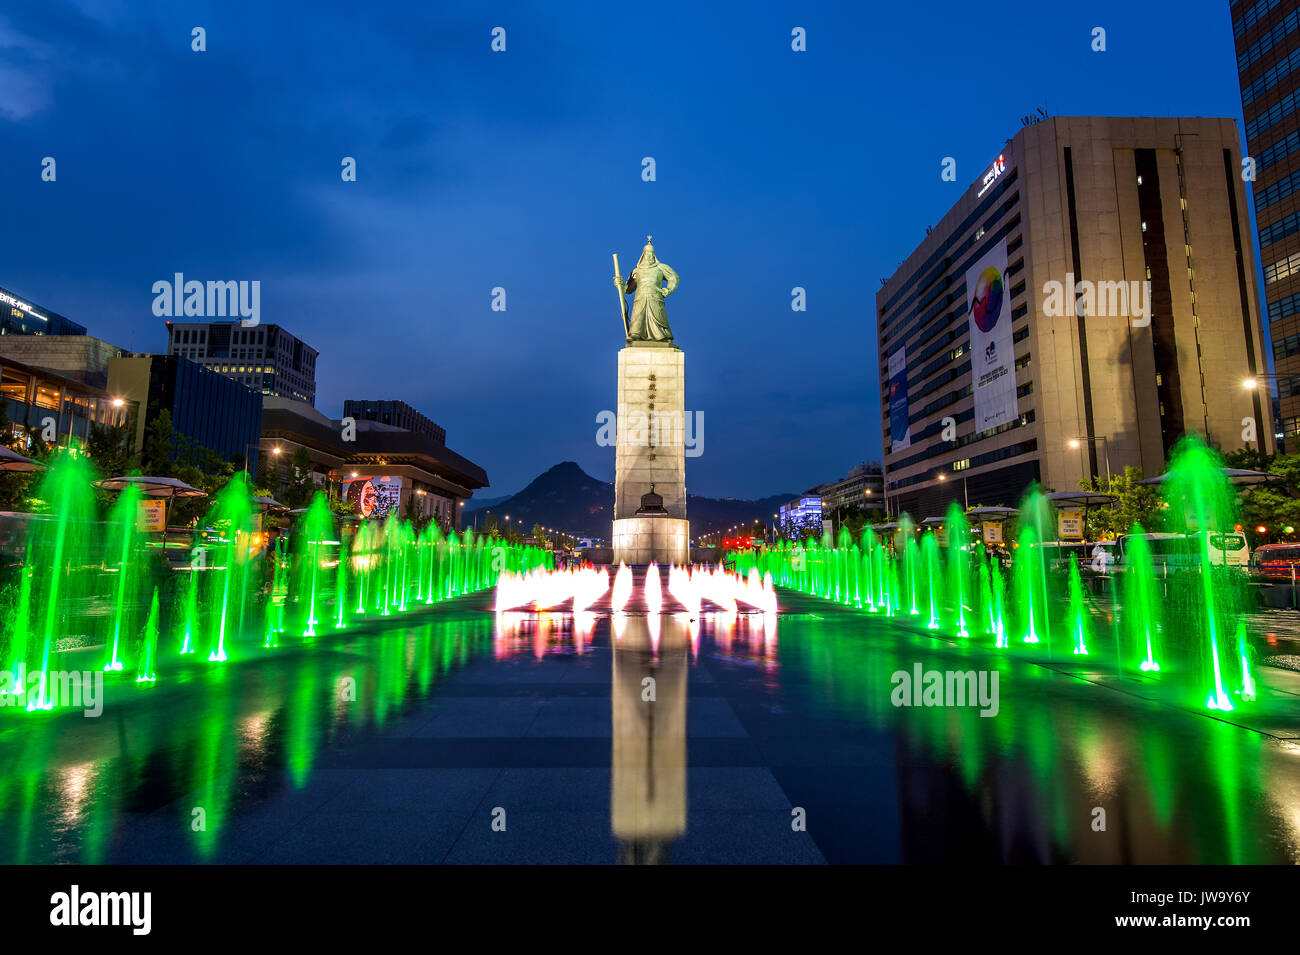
(522, 169)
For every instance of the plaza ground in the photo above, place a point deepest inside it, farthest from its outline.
(538, 723)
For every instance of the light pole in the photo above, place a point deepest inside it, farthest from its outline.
(964, 496)
(1078, 442)
(275, 450)
(1252, 384)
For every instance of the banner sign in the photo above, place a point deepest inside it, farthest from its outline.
(992, 532)
(1069, 525)
(153, 515)
(900, 430)
(375, 497)
(993, 359)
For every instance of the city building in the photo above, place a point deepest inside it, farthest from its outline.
(55, 405)
(803, 513)
(265, 358)
(20, 317)
(1267, 36)
(80, 357)
(863, 486)
(294, 430)
(390, 466)
(397, 413)
(383, 469)
(210, 409)
(1087, 301)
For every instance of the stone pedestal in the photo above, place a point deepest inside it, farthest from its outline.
(651, 450)
(639, 540)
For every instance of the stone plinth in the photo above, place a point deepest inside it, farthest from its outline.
(651, 450)
(639, 540)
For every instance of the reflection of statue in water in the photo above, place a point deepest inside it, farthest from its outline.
(648, 766)
(649, 319)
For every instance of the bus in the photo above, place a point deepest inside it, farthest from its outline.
(1275, 560)
(1175, 552)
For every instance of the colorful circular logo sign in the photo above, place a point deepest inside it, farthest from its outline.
(987, 304)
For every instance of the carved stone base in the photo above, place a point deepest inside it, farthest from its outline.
(640, 540)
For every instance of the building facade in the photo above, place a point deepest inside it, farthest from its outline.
(54, 405)
(20, 317)
(1087, 301)
(1267, 38)
(265, 358)
(863, 486)
(210, 409)
(384, 468)
(396, 413)
(81, 357)
(803, 513)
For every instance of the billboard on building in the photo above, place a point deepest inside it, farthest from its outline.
(900, 429)
(375, 497)
(993, 359)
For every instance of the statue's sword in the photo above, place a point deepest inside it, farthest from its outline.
(622, 302)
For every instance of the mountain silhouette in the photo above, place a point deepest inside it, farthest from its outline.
(569, 499)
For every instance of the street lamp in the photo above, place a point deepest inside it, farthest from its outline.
(255, 444)
(964, 495)
(1078, 442)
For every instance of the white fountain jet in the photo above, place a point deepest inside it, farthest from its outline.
(654, 594)
(622, 588)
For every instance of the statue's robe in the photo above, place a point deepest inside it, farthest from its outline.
(649, 318)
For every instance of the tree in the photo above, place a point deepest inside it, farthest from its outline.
(1275, 507)
(1134, 504)
(300, 486)
(159, 447)
(414, 513)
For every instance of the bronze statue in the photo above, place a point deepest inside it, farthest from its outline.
(649, 319)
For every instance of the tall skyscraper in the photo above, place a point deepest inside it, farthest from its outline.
(1267, 35)
(1087, 301)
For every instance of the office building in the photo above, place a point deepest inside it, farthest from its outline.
(384, 469)
(18, 316)
(800, 515)
(396, 413)
(50, 403)
(863, 486)
(1086, 302)
(1267, 37)
(206, 407)
(265, 358)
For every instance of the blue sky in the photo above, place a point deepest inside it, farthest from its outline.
(522, 169)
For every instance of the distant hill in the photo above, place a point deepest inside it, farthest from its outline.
(568, 498)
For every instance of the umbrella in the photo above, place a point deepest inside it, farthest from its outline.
(269, 504)
(933, 522)
(991, 512)
(1241, 477)
(152, 486)
(13, 461)
(1081, 498)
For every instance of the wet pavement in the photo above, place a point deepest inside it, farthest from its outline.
(459, 737)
